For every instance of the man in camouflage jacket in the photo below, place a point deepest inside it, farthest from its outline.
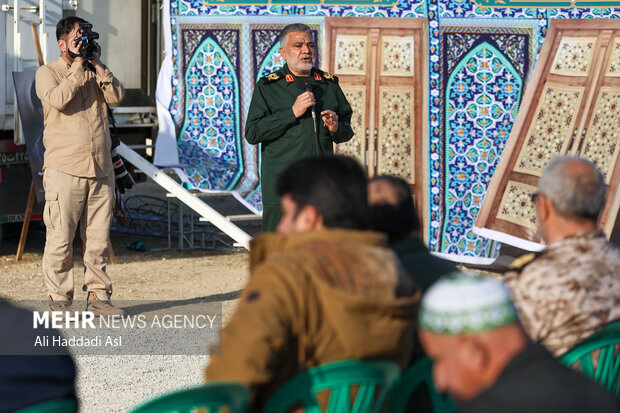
(571, 289)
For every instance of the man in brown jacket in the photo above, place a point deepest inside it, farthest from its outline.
(78, 173)
(320, 291)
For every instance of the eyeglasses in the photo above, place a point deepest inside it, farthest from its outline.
(534, 196)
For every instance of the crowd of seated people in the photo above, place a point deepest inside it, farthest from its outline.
(347, 276)
(323, 290)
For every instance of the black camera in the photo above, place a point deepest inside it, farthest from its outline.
(90, 49)
(123, 179)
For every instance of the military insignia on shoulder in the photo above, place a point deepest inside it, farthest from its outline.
(522, 261)
(329, 76)
(271, 77)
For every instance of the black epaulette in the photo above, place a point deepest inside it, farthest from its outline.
(272, 77)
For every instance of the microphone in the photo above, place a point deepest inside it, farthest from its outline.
(308, 87)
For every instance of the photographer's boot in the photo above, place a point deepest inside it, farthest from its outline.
(100, 307)
(60, 306)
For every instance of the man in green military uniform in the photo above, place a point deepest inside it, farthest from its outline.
(281, 115)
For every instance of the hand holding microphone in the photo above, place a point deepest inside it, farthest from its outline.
(302, 103)
(306, 100)
(308, 87)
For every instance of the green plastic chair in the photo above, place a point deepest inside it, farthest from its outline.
(374, 379)
(211, 397)
(607, 372)
(51, 406)
(418, 374)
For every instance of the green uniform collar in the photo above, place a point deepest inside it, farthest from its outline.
(287, 72)
(284, 73)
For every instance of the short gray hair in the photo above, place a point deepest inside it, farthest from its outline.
(295, 27)
(574, 194)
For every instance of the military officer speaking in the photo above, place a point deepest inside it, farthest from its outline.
(287, 107)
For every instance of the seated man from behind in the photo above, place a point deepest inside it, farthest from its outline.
(31, 374)
(485, 361)
(392, 211)
(321, 290)
(572, 288)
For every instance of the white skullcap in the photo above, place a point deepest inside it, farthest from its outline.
(461, 303)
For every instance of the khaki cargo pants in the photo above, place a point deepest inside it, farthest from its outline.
(69, 200)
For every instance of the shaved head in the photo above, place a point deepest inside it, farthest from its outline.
(574, 186)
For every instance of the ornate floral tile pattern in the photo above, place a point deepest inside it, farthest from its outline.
(574, 56)
(265, 47)
(395, 133)
(208, 149)
(515, 47)
(614, 62)
(356, 147)
(193, 35)
(482, 96)
(550, 132)
(183, 12)
(350, 55)
(602, 140)
(456, 45)
(517, 206)
(397, 56)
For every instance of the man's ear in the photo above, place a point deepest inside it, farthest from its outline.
(545, 209)
(309, 219)
(62, 45)
(476, 353)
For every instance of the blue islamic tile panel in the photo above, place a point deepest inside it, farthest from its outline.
(515, 48)
(483, 74)
(263, 42)
(548, 4)
(436, 152)
(201, 4)
(189, 12)
(345, 8)
(209, 141)
(456, 46)
(192, 36)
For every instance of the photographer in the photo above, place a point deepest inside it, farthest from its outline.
(78, 171)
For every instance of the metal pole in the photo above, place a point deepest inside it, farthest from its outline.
(42, 34)
(185, 196)
(181, 225)
(17, 55)
(169, 222)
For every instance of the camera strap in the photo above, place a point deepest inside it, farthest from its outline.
(113, 132)
(111, 117)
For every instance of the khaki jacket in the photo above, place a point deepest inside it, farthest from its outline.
(314, 298)
(76, 136)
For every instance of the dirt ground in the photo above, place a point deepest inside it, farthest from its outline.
(152, 275)
(118, 383)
